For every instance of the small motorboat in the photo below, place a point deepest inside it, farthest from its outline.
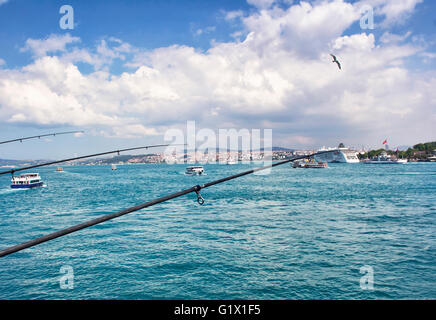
(309, 164)
(59, 169)
(114, 167)
(195, 170)
(26, 181)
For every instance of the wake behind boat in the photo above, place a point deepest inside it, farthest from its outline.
(26, 181)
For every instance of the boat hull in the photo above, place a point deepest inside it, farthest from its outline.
(385, 162)
(27, 186)
(311, 166)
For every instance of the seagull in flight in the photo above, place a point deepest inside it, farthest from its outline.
(336, 61)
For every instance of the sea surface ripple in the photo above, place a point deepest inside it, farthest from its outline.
(291, 234)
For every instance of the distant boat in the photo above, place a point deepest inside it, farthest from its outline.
(432, 159)
(384, 158)
(114, 167)
(26, 181)
(309, 164)
(230, 161)
(59, 169)
(337, 155)
(194, 170)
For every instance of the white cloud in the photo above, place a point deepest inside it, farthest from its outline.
(388, 37)
(3, 2)
(430, 55)
(54, 43)
(133, 131)
(2, 62)
(206, 30)
(394, 11)
(280, 75)
(44, 93)
(101, 57)
(230, 15)
(303, 28)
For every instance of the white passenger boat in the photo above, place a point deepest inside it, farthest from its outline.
(114, 167)
(194, 170)
(341, 155)
(384, 158)
(26, 181)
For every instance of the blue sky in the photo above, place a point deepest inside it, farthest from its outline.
(145, 24)
(131, 70)
(149, 24)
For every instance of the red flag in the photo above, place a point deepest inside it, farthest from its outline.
(386, 141)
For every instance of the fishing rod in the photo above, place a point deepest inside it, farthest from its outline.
(82, 157)
(114, 215)
(40, 136)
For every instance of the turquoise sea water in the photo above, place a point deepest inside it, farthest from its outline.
(292, 234)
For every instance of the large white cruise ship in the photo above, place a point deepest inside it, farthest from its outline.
(343, 155)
